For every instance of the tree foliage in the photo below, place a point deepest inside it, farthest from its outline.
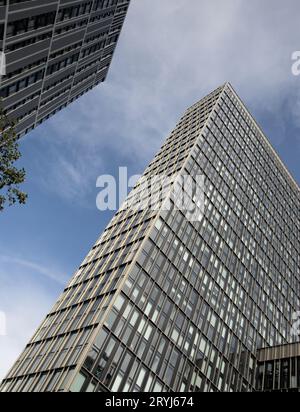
(10, 176)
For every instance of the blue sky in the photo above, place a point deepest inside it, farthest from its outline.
(170, 54)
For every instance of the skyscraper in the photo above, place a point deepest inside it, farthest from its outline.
(181, 298)
(55, 52)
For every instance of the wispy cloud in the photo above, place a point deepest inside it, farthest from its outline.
(170, 54)
(36, 268)
(25, 307)
(28, 290)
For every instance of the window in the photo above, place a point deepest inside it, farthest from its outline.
(158, 224)
(119, 302)
(78, 383)
(141, 377)
(148, 332)
(117, 382)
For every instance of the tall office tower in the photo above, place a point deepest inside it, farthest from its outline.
(55, 52)
(181, 298)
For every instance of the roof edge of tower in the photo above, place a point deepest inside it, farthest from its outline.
(219, 88)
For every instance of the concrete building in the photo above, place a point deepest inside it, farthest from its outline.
(55, 51)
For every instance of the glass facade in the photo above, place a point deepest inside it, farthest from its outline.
(279, 369)
(164, 303)
(55, 52)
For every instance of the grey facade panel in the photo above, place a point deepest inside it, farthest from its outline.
(30, 50)
(279, 352)
(13, 64)
(26, 123)
(23, 13)
(24, 109)
(15, 98)
(68, 39)
(33, 4)
(53, 90)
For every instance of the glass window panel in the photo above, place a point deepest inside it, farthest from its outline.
(78, 383)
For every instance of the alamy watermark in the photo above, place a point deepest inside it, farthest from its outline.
(2, 324)
(295, 329)
(183, 192)
(296, 64)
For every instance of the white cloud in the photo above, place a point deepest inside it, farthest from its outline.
(27, 309)
(20, 263)
(28, 291)
(171, 53)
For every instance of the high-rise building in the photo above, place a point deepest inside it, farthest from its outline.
(181, 298)
(55, 51)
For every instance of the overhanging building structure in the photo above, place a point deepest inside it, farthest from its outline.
(55, 51)
(167, 303)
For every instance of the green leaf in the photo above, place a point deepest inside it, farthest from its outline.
(10, 176)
